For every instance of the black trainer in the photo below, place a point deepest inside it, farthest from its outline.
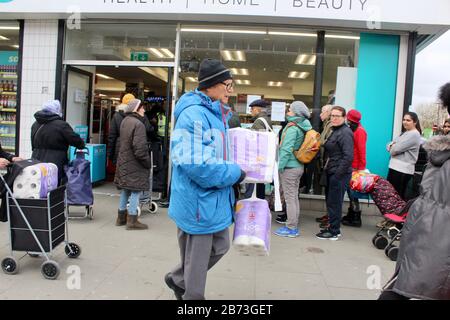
(327, 235)
(281, 218)
(179, 292)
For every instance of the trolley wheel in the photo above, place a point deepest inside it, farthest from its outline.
(392, 232)
(72, 250)
(10, 265)
(374, 238)
(89, 212)
(381, 242)
(391, 252)
(50, 270)
(152, 207)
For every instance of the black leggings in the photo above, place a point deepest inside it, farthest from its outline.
(399, 181)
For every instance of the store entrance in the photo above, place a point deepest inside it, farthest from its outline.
(94, 94)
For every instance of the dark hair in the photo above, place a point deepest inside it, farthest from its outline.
(342, 110)
(415, 119)
(444, 95)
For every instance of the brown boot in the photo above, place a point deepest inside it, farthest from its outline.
(121, 218)
(134, 224)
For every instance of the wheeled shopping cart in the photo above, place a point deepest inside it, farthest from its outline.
(146, 198)
(37, 227)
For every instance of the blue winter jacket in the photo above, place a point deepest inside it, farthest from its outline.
(202, 197)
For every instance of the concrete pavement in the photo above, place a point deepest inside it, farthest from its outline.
(120, 264)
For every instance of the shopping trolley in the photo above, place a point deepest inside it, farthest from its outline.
(37, 227)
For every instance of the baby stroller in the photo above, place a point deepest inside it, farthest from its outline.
(37, 227)
(79, 186)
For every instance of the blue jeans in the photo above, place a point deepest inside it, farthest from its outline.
(335, 192)
(133, 197)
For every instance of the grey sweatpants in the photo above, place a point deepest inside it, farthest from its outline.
(199, 253)
(290, 181)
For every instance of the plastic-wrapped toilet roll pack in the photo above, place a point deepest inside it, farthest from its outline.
(252, 227)
(34, 182)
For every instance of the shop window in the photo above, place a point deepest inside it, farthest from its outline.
(9, 61)
(121, 41)
(275, 64)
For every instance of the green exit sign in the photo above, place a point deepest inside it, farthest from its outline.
(139, 56)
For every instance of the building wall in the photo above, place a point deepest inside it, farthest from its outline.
(38, 74)
(376, 95)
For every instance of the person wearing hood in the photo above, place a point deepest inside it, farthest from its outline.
(202, 198)
(422, 270)
(338, 169)
(133, 165)
(51, 137)
(260, 116)
(114, 130)
(290, 168)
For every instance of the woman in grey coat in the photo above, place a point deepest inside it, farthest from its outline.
(133, 165)
(423, 269)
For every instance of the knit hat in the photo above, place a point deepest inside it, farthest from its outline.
(133, 106)
(127, 98)
(212, 72)
(53, 106)
(354, 116)
(260, 103)
(300, 109)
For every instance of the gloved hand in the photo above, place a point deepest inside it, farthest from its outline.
(242, 177)
(236, 186)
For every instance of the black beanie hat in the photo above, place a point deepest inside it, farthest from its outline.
(212, 72)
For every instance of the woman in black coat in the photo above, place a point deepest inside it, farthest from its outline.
(51, 137)
(338, 168)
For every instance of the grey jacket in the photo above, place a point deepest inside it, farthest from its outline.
(423, 263)
(405, 151)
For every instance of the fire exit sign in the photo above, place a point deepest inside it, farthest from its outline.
(139, 56)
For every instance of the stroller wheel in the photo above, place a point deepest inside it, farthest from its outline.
(50, 270)
(72, 250)
(392, 252)
(152, 207)
(393, 232)
(139, 210)
(381, 242)
(10, 265)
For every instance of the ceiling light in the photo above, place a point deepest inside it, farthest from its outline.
(116, 99)
(243, 82)
(102, 95)
(3, 38)
(308, 59)
(235, 55)
(334, 36)
(294, 34)
(239, 72)
(168, 53)
(16, 46)
(103, 76)
(298, 75)
(161, 53)
(192, 79)
(275, 84)
(9, 28)
(222, 31)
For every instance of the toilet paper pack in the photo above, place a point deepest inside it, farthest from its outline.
(252, 227)
(255, 152)
(34, 182)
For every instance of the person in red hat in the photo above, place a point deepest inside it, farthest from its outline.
(353, 217)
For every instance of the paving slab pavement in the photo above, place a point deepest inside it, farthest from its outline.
(120, 264)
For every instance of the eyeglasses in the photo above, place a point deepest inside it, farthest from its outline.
(229, 86)
(336, 116)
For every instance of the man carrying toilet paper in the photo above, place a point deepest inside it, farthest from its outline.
(202, 197)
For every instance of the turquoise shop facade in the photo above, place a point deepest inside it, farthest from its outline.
(390, 35)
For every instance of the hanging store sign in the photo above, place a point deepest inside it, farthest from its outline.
(436, 12)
